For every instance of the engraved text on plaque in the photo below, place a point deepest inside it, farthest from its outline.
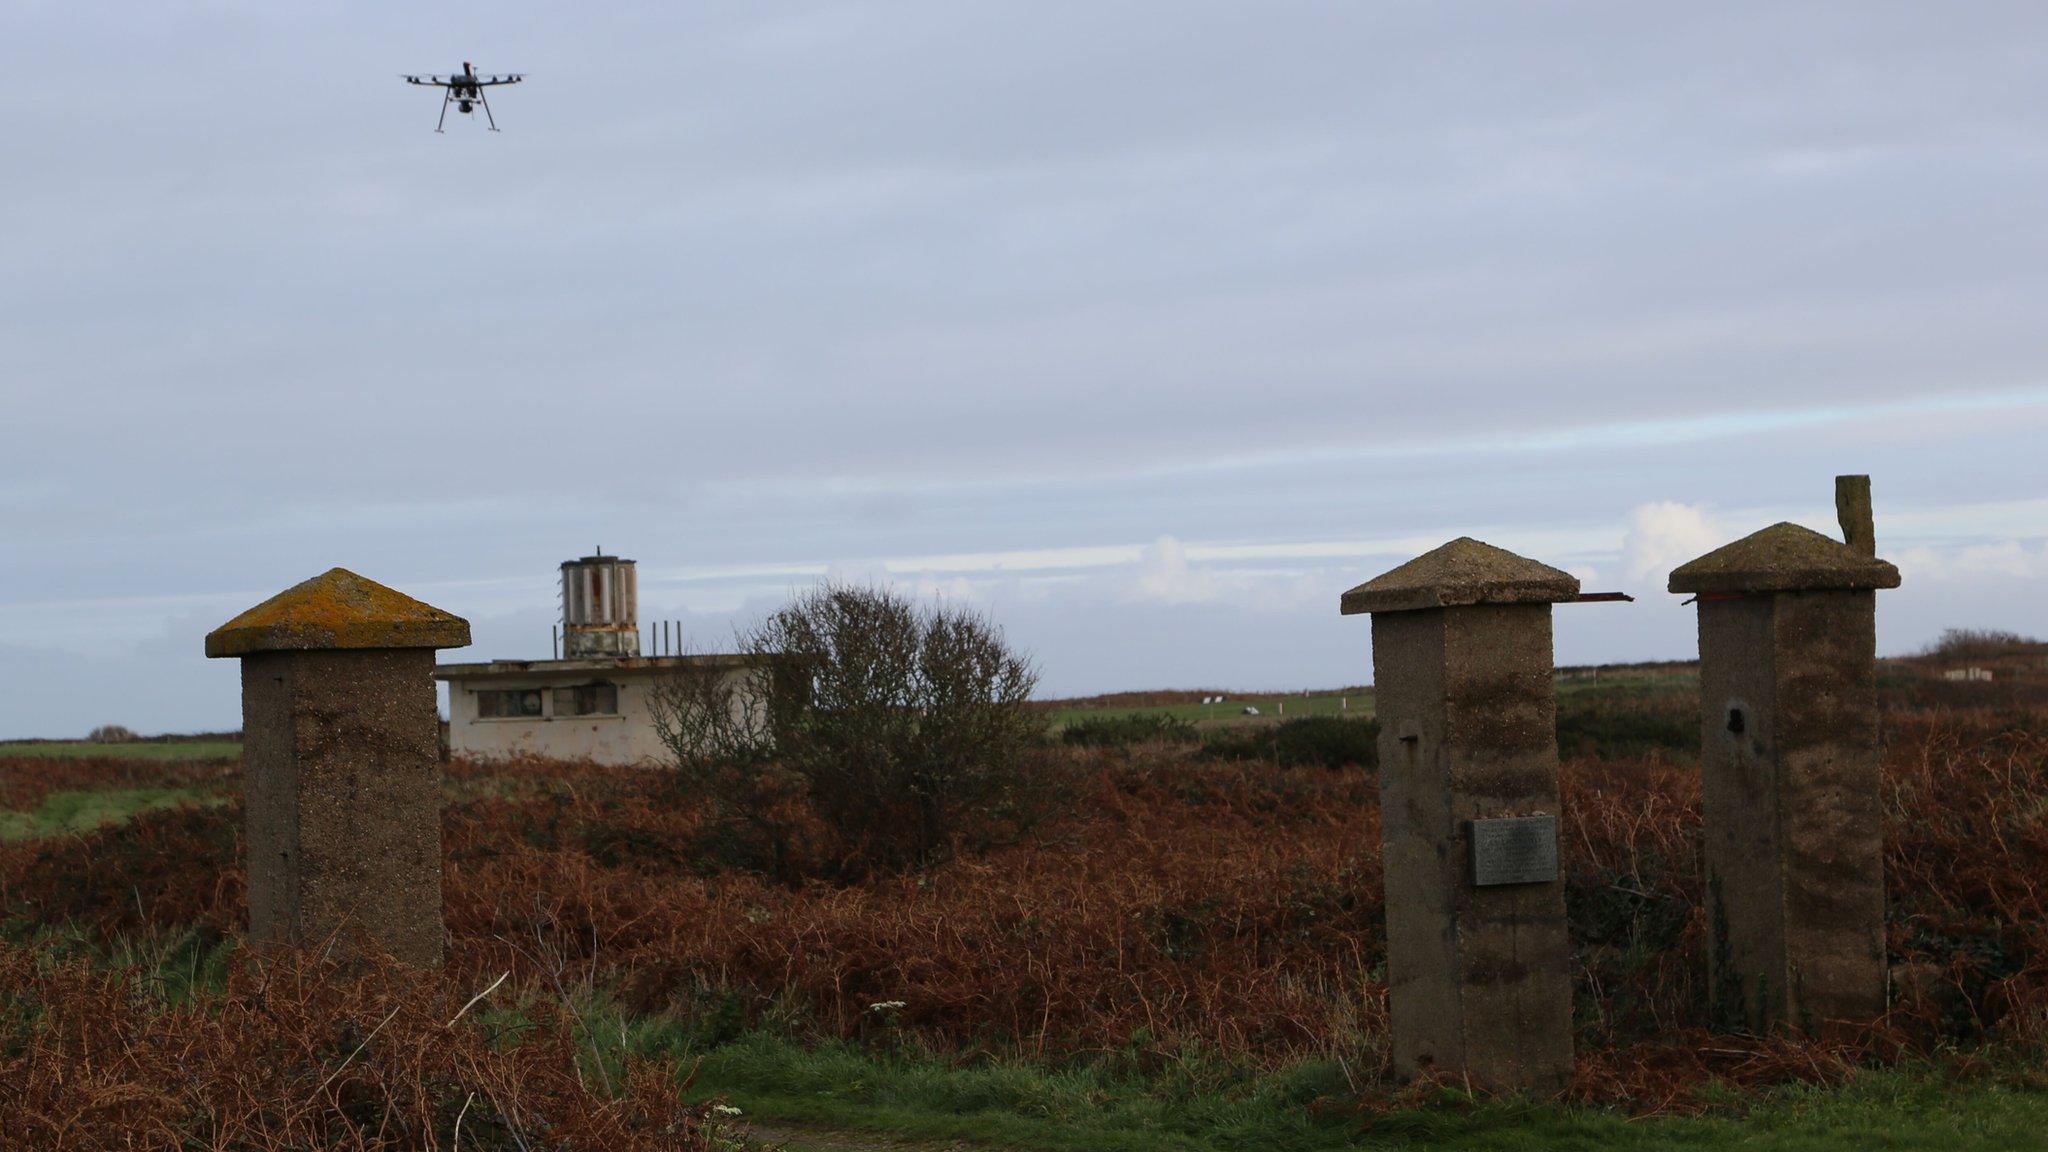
(1514, 850)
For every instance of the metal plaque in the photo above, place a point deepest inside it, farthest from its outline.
(1514, 850)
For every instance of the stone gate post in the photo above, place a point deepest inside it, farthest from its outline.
(340, 754)
(1478, 960)
(1789, 771)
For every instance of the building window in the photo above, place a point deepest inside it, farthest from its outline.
(507, 703)
(587, 700)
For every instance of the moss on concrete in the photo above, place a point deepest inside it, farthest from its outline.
(1464, 571)
(1783, 558)
(338, 609)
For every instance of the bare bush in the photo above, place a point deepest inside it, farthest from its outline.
(1980, 644)
(902, 728)
(111, 734)
(716, 727)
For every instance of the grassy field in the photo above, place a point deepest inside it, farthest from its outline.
(81, 811)
(812, 1097)
(204, 749)
(1272, 709)
(1575, 686)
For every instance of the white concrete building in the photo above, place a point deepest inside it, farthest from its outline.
(564, 709)
(594, 703)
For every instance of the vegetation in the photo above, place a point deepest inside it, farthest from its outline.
(196, 748)
(1652, 727)
(1982, 644)
(82, 811)
(1313, 741)
(292, 1052)
(1121, 730)
(1198, 1105)
(1624, 716)
(901, 730)
(1226, 710)
(28, 782)
(1188, 956)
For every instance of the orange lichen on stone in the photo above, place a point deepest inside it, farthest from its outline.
(338, 609)
(1464, 571)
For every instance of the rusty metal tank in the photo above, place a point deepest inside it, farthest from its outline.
(600, 608)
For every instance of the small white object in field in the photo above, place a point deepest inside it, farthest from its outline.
(1250, 711)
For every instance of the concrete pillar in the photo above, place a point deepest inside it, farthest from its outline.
(340, 743)
(1789, 762)
(1478, 959)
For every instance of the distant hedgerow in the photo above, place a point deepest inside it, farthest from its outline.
(1122, 731)
(1309, 742)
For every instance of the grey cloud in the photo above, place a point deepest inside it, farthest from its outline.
(823, 282)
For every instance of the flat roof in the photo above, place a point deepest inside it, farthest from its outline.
(621, 666)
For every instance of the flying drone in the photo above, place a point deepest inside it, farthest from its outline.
(465, 90)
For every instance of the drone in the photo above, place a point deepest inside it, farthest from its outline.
(465, 90)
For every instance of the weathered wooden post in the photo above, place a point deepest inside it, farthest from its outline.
(1789, 763)
(1478, 961)
(340, 754)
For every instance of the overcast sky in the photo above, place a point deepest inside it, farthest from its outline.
(1147, 327)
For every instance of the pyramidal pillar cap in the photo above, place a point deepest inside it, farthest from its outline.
(1783, 558)
(337, 609)
(1461, 573)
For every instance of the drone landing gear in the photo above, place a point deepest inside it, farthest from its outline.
(466, 102)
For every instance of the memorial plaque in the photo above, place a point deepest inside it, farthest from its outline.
(1514, 850)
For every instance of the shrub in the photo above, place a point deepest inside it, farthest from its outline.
(1617, 730)
(111, 734)
(903, 728)
(1979, 644)
(1123, 731)
(1311, 741)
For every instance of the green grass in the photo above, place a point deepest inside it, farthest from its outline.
(1625, 682)
(1231, 711)
(65, 812)
(1127, 1101)
(141, 750)
(1572, 687)
(1189, 1108)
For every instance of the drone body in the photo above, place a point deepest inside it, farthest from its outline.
(465, 90)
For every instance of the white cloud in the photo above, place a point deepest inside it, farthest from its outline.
(2012, 559)
(954, 590)
(1163, 574)
(1665, 534)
